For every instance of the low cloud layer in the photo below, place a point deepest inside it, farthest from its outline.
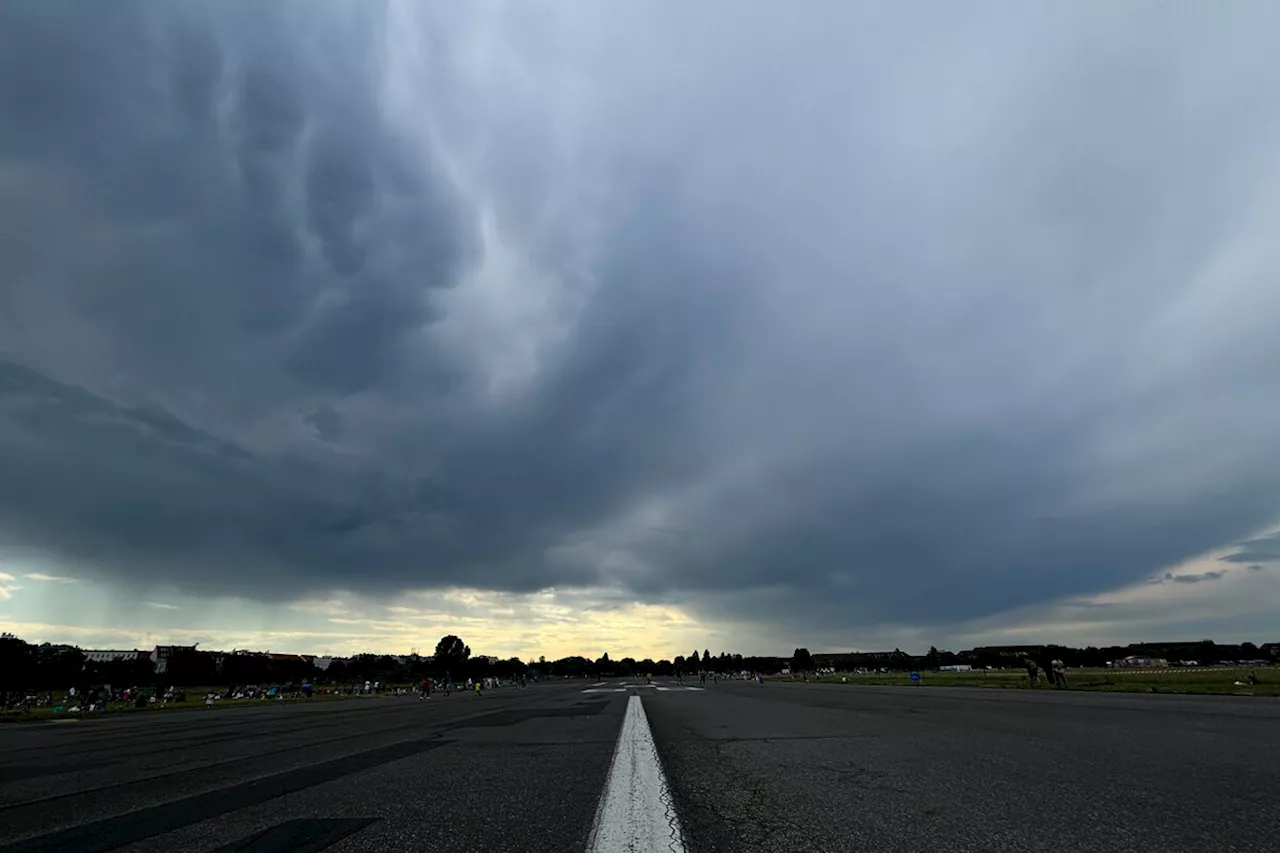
(1195, 577)
(1260, 549)
(817, 317)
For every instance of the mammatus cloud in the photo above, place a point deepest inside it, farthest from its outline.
(809, 318)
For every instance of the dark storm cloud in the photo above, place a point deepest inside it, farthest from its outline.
(262, 206)
(860, 316)
(132, 491)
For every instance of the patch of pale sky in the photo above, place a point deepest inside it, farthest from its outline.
(1154, 610)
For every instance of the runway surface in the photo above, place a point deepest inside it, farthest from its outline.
(734, 767)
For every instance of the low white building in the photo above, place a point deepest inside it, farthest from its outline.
(1141, 662)
(109, 655)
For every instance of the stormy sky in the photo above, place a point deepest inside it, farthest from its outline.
(841, 324)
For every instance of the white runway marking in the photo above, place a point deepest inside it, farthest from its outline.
(635, 812)
(605, 690)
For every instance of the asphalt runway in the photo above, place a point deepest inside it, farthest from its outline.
(574, 766)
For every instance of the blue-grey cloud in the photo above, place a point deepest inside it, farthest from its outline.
(1259, 549)
(1194, 577)
(843, 315)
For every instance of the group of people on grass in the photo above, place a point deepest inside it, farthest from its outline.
(1055, 671)
(477, 686)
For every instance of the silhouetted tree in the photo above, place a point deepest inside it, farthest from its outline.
(452, 655)
(17, 664)
(801, 661)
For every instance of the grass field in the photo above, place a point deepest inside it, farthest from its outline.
(1115, 680)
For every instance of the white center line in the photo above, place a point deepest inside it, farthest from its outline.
(635, 814)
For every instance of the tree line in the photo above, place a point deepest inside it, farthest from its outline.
(29, 667)
(26, 666)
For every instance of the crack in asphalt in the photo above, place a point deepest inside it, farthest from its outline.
(675, 843)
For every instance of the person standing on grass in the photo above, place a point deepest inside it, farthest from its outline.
(1033, 673)
(1046, 664)
(1059, 674)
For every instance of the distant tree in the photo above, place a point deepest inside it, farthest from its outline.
(510, 668)
(17, 664)
(694, 661)
(628, 665)
(478, 668)
(189, 667)
(706, 659)
(128, 672)
(680, 663)
(932, 659)
(452, 655)
(801, 661)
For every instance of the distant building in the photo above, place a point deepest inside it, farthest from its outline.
(111, 655)
(1140, 661)
(161, 654)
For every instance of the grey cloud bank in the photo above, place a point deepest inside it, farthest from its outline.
(821, 316)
